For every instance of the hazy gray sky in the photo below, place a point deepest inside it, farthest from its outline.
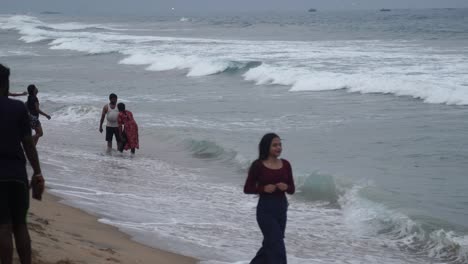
(165, 6)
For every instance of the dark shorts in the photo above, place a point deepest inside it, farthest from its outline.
(34, 121)
(110, 131)
(14, 202)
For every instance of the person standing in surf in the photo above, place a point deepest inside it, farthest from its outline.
(271, 177)
(33, 108)
(110, 113)
(128, 130)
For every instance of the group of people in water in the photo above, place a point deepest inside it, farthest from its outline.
(270, 177)
(120, 124)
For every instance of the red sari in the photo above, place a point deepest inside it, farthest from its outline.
(130, 128)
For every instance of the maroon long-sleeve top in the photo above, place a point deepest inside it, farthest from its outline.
(259, 176)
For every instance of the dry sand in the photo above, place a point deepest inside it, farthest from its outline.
(61, 234)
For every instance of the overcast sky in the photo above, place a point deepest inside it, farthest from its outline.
(209, 6)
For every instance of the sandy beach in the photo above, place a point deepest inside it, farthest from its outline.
(62, 234)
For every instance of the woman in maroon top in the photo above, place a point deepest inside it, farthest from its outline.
(271, 177)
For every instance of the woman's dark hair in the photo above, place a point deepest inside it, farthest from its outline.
(121, 107)
(264, 145)
(31, 89)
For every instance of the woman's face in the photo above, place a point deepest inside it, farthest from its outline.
(275, 148)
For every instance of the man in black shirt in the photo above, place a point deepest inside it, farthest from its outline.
(15, 135)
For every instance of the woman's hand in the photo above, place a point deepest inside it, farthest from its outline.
(282, 186)
(269, 188)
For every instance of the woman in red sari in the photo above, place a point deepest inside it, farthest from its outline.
(129, 128)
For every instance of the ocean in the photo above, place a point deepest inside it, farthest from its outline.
(372, 108)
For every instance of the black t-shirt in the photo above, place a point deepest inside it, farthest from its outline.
(14, 126)
(31, 104)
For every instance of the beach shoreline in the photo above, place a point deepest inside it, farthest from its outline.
(64, 234)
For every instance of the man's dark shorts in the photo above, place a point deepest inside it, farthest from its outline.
(110, 131)
(14, 202)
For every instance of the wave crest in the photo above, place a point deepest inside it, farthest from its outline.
(369, 218)
(76, 114)
(195, 65)
(206, 149)
(317, 187)
(429, 89)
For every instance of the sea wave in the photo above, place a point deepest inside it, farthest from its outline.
(24, 21)
(365, 217)
(369, 218)
(205, 149)
(400, 68)
(425, 87)
(76, 114)
(195, 65)
(17, 53)
(317, 187)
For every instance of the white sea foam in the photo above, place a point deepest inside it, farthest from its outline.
(95, 46)
(281, 123)
(18, 21)
(81, 26)
(77, 114)
(70, 98)
(14, 53)
(202, 68)
(402, 69)
(428, 88)
(195, 65)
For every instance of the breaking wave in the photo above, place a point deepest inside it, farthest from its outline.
(398, 68)
(371, 218)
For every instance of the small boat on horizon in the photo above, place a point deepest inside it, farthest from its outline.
(312, 10)
(385, 10)
(50, 13)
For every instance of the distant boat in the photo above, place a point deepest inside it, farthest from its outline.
(50, 13)
(385, 10)
(312, 10)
